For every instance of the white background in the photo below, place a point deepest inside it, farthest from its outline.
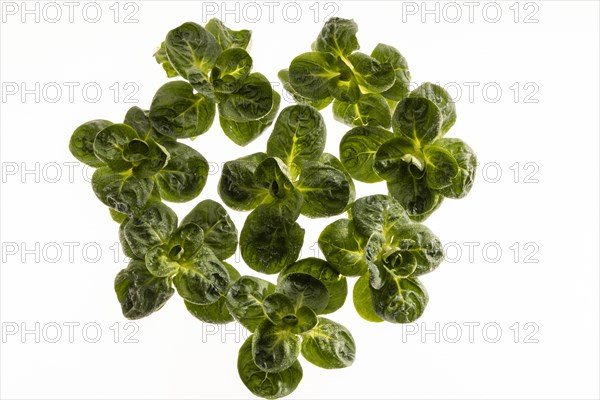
(541, 293)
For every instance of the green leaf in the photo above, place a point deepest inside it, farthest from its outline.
(140, 293)
(306, 319)
(335, 283)
(242, 133)
(357, 151)
(372, 109)
(231, 68)
(298, 137)
(228, 38)
(440, 97)
(273, 175)
(117, 216)
(325, 190)
(139, 120)
(178, 112)
(245, 299)
(371, 74)
(238, 186)
(269, 241)
(161, 58)
(111, 145)
(184, 177)
(310, 74)
(400, 300)
(121, 191)
(414, 195)
(378, 214)
(344, 85)
(329, 345)
(159, 263)
(279, 309)
(422, 245)
(388, 54)
(332, 161)
(268, 385)
(397, 155)
(190, 47)
(338, 36)
(81, 144)
(344, 247)
(151, 227)
(220, 233)
(217, 312)
(363, 302)
(203, 280)
(304, 290)
(284, 77)
(467, 164)
(274, 349)
(441, 167)
(417, 119)
(252, 101)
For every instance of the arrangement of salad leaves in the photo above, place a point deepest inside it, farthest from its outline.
(398, 135)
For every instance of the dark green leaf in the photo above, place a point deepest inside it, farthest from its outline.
(467, 164)
(417, 119)
(371, 74)
(332, 161)
(274, 349)
(245, 299)
(298, 137)
(440, 97)
(242, 133)
(344, 247)
(269, 241)
(111, 146)
(418, 241)
(414, 195)
(329, 345)
(397, 155)
(400, 300)
(203, 280)
(268, 385)
(338, 36)
(228, 38)
(139, 120)
(161, 58)
(388, 54)
(325, 190)
(252, 101)
(231, 68)
(151, 227)
(121, 191)
(378, 214)
(357, 151)
(81, 144)
(184, 177)
(284, 77)
(189, 47)
(140, 293)
(304, 290)
(323, 271)
(220, 233)
(441, 167)
(178, 112)
(310, 74)
(279, 309)
(238, 187)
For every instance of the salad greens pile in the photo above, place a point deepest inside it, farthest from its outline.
(397, 135)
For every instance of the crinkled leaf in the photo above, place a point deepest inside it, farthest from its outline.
(325, 190)
(357, 151)
(269, 241)
(441, 167)
(338, 36)
(279, 309)
(81, 144)
(417, 119)
(284, 77)
(203, 280)
(231, 68)
(335, 283)
(329, 345)
(242, 133)
(268, 385)
(372, 109)
(238, 187)
(111, 146)
(388, 54)
(344, 86)
(190, 46)
(121, 191)
(414, 195)
(378, 214)
(422, 244)
(252, 101)
(441, 98)
(467, 164)
(310, 74)
(151, 227)
(395, 156)
(139, 120)
(298, 137)
(220, 233)
(178, 112)
(245, 299)
(304, 290)
(400, 300)
(184, 177)
(161, 58)
(372, 74)
(274, 349)
(139, 292)
(344, 247)
(332, 161)
(228, 38)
